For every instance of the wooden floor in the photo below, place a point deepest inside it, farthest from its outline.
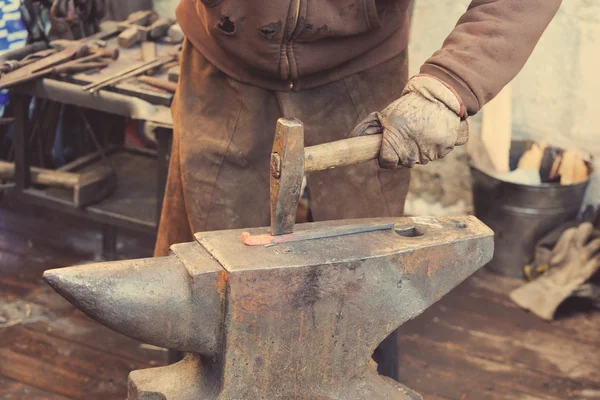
(474, 344)
(48, 349)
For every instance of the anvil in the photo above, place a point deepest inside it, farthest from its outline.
(297, 320)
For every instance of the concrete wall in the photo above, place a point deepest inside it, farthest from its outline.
(165, 8)
(118, 10)
(554, 96)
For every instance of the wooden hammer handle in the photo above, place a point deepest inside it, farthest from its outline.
(342, 152)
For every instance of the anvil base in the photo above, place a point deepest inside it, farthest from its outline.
(166, 383)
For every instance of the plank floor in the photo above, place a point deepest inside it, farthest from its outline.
(474, 344)
(48, 349)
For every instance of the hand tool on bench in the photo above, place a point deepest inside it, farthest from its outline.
(12, 65)
(61, 51)
(299, 320)
(148, 51)
(27, 72)
(129, 73)
(158, 83)
(149, 54)
(87, 59)
(22, 52)
(137, 18)
(142, 26)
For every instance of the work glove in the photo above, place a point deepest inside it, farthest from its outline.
(574, 260)
(424, 124)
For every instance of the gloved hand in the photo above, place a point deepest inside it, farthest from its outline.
(573, 262)
(424, 124)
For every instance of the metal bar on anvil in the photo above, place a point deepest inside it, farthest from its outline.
(268, 239)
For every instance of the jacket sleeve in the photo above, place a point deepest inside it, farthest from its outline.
(488, 47)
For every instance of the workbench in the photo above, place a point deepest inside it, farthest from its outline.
(141, 174)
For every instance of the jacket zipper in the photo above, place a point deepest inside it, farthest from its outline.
(294, 25)
(296, 16)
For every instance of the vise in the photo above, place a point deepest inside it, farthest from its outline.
(291, 319)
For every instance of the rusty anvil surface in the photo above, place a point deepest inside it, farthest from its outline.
(293, 321)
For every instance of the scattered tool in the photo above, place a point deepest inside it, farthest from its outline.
(148, 51)
(149, 54)
(76, 68)
(137, 34)
(168, 67)
(296, 320)
(142, 26)
(27, 72)
(86, 59)
(135, 19)
(12, 65)
(158, 83)
(22, 52)
(173, 73)
(129, 73)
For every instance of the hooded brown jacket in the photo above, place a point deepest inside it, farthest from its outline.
(300, 44)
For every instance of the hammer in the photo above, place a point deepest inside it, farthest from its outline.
(290, 160)
(141, 26)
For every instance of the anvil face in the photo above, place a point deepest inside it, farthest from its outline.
(292, 321)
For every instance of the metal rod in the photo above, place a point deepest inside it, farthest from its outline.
(128, 73)
(150, 66)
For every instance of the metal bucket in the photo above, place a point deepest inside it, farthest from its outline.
(520, 215)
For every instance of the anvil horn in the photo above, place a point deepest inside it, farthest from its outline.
(151, 299)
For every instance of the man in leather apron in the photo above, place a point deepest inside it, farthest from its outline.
(340, 66)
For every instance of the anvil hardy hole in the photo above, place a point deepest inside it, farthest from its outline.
(408, 231)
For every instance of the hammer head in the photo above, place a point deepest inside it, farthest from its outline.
(142, 17)
(287, 172)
